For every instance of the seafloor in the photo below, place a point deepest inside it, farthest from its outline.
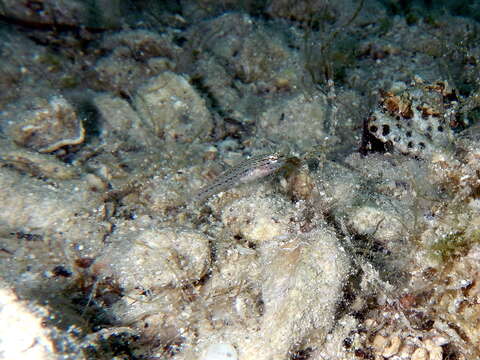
(252, 180)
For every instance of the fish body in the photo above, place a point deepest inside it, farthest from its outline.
(246, 171)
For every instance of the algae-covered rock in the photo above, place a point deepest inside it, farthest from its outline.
(98, 13)
(299, 121)
(220, 351)
(286, 295)
(173, 109)
(382, 224)
(141, 44)
(119, 120)
(67, 212)
(325, 13)
(118, 73)
(35, 164)
(47, 12)
(132, 58)
(300, 290)
(262, 220)
(155, 267)
(152, 258)
(48, 126)
(242, 63)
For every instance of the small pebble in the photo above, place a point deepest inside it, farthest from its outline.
(420, 354)
(220, 351)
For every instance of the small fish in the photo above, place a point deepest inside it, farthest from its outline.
(246, 171)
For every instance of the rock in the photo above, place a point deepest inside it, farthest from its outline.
(152, 258)
(141, 44)
(435, 351)
(272, 298)
(26, 336)
(132, 58)
(379, 205)
(219, 83)
(162, 193)
(98, 13)
(298, 120)
(155, 267)
(119, 73)
(68, 212)
(49, 126)
(195, 11)
(242, 63)
(302, 284)
(173, 109)
(46, 12)
(392, 348)
(35, 164)
(220, 351)
(259, 219)
(120, 121)
(317, 10)
(377, 222)
(420, 354)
